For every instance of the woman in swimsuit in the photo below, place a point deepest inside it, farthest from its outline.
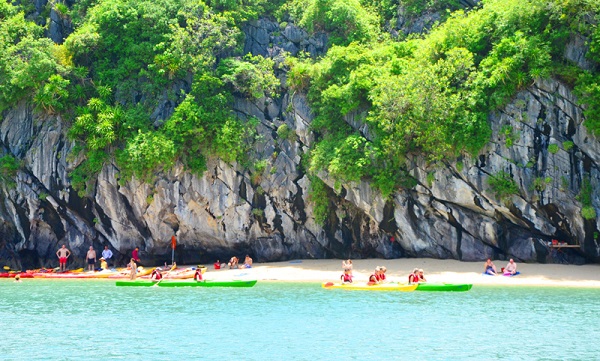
(490, 268)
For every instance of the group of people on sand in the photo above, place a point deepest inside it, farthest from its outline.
(490, 269)
(64, 253)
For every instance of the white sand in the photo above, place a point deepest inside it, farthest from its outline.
(449, 271)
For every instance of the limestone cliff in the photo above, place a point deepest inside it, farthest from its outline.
(538, 139)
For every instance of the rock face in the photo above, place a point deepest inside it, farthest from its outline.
(538, 139)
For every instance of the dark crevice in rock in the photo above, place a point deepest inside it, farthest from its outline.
(388, 224)
(49, 215)
(81, 206)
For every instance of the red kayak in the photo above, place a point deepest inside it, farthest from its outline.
(12, 275)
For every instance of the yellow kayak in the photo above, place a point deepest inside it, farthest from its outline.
(368, 287)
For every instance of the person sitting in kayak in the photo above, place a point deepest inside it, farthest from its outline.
(347, 276)
(156, 275)
(198, 274)
(382, 271)
(374, 278)
(422, 276)
(413, 277)
(490, 268)
(511, 268)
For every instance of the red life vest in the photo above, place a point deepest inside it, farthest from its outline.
(198, 275)
(156, 275)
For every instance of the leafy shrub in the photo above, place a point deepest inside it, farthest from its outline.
(8, 170)
(553, 148)
(27, 59)
(588, 213)
(286, 133)
(568, 145)
(319, 197)
(146, 152)
(345, 21)
(503, 185)
(253, 76)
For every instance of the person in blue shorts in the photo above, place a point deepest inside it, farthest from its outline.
(247, 262)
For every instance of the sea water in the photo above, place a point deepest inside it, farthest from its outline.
(95, 320)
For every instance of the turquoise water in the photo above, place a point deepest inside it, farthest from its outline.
(95, 320)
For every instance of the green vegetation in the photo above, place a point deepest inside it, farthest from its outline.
(585, 197)
(319, 197)
(507, 131)
(568, 145)
(8, 170)
(553, 148)
(428, 95)
(503, 185)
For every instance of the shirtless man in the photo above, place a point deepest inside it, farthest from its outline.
(247, 262)
(91, 258)
(63, 253)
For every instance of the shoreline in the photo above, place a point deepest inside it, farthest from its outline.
(436, 271)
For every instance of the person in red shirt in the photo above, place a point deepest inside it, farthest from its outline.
(217, 265)
(198, 274)
(374, 278)
(347, 276)
(135, 255)
(413, 277)
(156, 275)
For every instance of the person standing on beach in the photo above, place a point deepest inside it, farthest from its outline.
(107, 255)
(133, 269)
(347, 266)
(91, 258)
(63, 254)
(135, 255)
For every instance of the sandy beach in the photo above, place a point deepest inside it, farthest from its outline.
(449, 271)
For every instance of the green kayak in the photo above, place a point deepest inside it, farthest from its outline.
(447, 287)
(190, 283)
